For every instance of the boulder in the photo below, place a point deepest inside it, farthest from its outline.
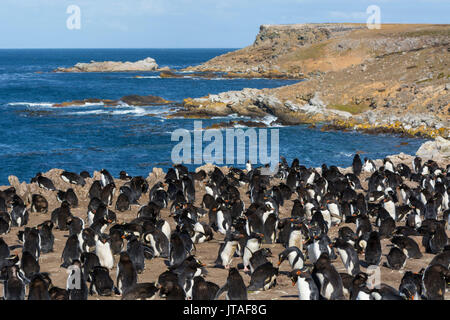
(439, 149)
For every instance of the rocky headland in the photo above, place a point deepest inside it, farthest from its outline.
(392, 80)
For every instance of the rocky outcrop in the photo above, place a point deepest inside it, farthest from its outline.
(132, 100)
(392, 80)
(439, 149)
(148, 64)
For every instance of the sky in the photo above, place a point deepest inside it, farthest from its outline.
(185, 23)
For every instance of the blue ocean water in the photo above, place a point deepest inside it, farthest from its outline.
(37, 137)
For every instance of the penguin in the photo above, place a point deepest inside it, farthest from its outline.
(386, 228)
(202, 233)
(61, 215)
(141, 291)
(103, 251)
(39, 204)
(234, 286)
(85, 174)
(107, 194)
(296, 236)
(435, 237)
(347, 234)
(122, 203)
(411, 286)
(434, 282)
(228, 248)
(14, 283)
(31, 241)
(317, 245)
(294, 256)
(252, 245)
(389, 205)
(75, 225)
(417, 164)
(59, 294)
(158, 241)
(46, 236)
(5, 222)
(409, 247)
(126, 273)
(71, 251)
(95, 191)
(307, 288)
(4, 253)
(89, 261)
(348, 256)
(331, 286)
(43, 182)
(177, 251)
(270, 228)
(372, 251)
(123, 175)
(136, 251)
(204, 290)
(87, 240)
(369, 166)
(76, 283)
(29, 264)
(171, 290)
(259, 258)
(72, 178)
(263, 278)
(19, 213)
(357, 165)
(116, 240)
(128, 196)
(68, 196)
(396, 259)
(39, 287)
(101, 282)
(441, 258)
(105, 178)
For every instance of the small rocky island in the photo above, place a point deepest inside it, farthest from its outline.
(147, 64)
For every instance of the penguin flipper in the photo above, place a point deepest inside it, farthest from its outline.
(223, 289)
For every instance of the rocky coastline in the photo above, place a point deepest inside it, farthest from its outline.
(393, 80)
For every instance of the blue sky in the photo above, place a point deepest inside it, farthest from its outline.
(186, 23)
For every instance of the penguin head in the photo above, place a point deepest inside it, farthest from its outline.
(104, 238)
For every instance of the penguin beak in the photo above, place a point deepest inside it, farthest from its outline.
(279, 262)
(298, 272)
(123, 237)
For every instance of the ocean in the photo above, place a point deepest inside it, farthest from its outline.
(36, 137)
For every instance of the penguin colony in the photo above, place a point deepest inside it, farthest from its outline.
(329, 233)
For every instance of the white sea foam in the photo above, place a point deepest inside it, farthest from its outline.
(31, 104)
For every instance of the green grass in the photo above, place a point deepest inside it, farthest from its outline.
(351, 108)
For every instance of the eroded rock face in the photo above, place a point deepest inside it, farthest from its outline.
(147, 64)
(439, 149)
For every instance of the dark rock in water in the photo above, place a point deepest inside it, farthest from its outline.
(170, 74)
(136, 100)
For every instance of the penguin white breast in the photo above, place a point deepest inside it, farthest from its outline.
(363, 296)
(390, 207)
(304, 291)
(295, 239)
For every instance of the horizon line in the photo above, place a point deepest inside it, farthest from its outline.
(120, 48)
